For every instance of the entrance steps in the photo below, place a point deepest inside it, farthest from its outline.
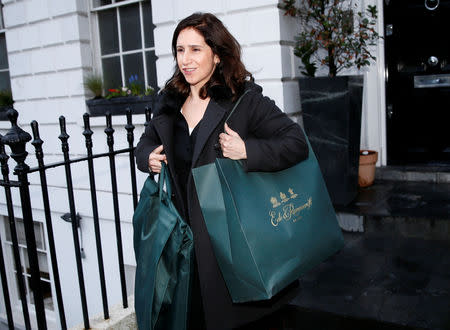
(394, 271)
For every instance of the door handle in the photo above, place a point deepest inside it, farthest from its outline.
(390, 112)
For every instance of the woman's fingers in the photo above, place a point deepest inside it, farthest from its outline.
(155, 158)
(232, 145)
(229, 131)
(158, 150)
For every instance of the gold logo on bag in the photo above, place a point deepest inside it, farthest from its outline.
(292, 193)
(285, 211)
(283, 198)
(274, 202)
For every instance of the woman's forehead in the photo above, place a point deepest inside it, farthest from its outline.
(190, 37)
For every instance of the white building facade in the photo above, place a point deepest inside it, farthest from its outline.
(52, 45)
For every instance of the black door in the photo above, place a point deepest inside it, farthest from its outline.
(417, 50)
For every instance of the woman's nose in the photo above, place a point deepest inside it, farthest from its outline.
(186, 57)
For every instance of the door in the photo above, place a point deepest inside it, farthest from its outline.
(417, 50)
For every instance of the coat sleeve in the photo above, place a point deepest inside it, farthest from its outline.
(147, 143)
(275, 142)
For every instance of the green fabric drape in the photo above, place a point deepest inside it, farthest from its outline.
(163, 246)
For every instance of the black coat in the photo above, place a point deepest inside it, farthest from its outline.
(273, 142)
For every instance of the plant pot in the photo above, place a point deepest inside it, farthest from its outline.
(331, 109)
(366, 173)
(119, 105)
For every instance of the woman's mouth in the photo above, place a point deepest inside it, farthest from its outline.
(188, 70)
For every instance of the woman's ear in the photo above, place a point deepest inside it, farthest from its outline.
(216, 59)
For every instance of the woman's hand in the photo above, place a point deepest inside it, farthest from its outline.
(155, 159)
(232, 145)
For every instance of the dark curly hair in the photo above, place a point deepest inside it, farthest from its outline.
(229, 73)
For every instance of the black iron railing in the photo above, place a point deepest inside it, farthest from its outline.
(16, 139)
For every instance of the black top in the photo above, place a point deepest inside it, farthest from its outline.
(183, 149)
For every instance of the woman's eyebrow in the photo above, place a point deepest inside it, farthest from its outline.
(190, 46)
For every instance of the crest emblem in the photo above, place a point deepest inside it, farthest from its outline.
(283, 197)
(293, 195)
(274, 202)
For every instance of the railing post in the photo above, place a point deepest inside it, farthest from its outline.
(101, 269)
(16, 139)
(130, 137)
(37, 143)
(73, 215)
(109, 130)
(4, 161)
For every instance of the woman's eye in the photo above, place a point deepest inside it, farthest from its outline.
(196, 49)
(179, 50)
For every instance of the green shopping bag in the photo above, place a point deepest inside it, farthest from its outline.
(163, 246)
(266, 229)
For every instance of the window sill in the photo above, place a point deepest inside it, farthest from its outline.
(118, 105)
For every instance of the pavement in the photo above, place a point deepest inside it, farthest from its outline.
(394, 275)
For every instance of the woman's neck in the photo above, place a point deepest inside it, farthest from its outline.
(195, 94)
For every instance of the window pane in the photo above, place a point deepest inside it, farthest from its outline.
(43, 265)
(98, 3)
(46, 292)
(134, 65)
(6, 221)
(18, 290)
(5, 82)
(3, 52)
(109, 38)
(131, 27)
(150, 58)
(148, 24)
(20, 231)
(2, 25)
(111, 72)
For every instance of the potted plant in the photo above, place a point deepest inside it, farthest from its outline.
(366, 173)
(6, 102)
(337, 37)
(117, 100)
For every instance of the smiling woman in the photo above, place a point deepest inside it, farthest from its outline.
(190, 128)
(195, 58)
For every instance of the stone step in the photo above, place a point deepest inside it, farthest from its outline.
(425, 228)
(435, 174)
(409, 208)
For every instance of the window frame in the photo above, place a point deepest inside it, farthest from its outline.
(12, 271)
(96, 39)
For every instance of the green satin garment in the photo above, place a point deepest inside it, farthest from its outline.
(267, 229)
(163, 246)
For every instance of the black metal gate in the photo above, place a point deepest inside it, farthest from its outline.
(418, 81)
(17, 139)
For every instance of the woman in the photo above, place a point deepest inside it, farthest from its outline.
(189, 130)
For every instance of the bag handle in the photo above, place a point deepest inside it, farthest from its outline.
(217, 144)
(236, 104)
(164, 178)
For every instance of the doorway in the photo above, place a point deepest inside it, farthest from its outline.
(417, 56)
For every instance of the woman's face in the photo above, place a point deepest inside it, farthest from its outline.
(195, 58)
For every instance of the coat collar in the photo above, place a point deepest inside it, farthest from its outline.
(213, 116)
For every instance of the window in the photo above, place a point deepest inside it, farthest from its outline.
(25, 267)
(5, 82)
(126, 42)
